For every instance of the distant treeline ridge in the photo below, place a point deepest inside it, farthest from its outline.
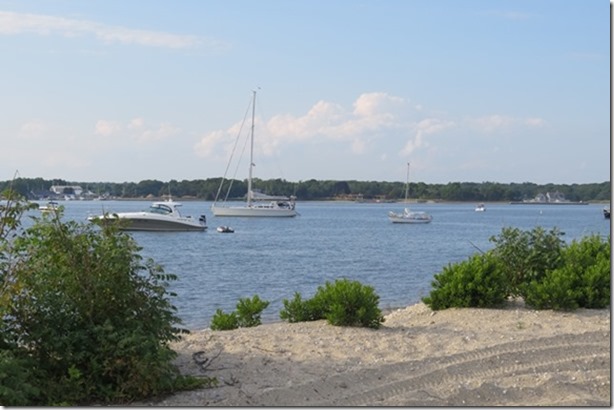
(206, 189)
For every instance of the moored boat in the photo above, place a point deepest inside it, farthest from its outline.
(162, 216)
(257, 204)
(408, 216)
(51, 206)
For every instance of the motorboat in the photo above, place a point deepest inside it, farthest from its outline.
(480, 208)
(606, 213)
(51, 206)
(161, 216)
(225, 229)
(257, 204)
(408, 216)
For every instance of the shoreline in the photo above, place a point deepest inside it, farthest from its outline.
(513, 356)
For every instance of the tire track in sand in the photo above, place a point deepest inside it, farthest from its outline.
(437, 377)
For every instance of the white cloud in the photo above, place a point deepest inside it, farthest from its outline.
(372, 115)
(19, 23)
(374, 121)
(497, 122)
(107, 128)
(425, 127)
(136, 129)
(32, 129)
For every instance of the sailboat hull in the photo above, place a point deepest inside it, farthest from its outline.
(252, 211)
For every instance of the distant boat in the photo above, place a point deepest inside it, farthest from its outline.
(606, 213)
(51, 206)
(408, 216)
(161, 217)
(225, 229)
(257, 204)
(480, 208)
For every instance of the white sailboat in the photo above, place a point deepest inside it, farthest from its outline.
(257, 204)
(408, 216)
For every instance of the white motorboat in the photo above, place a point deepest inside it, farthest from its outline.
(50, 207)
(225, 229)
(408, 216)
(161, 216)
(257, 204)
(480, 208)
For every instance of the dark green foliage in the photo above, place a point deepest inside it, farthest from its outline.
(16, 377)
(536, 265)
(342, 303)
(250, 310)
(527, 255)
(224, 321)
(349, 303)
(477, 282)
(583, 280)
(322, 189)
(247, 315)
(299, 310)
(84, 318)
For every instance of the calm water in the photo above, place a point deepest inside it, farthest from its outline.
(274, 258)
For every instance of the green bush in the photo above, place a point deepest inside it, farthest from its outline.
(224, 321)
(247, 315)
(536, 265)
(477, 282)
(84, 318)
(300, 310)
(342, 303)
(583, 280)
(526, 256)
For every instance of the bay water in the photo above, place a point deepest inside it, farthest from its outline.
(276, 257)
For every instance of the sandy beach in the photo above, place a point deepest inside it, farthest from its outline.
(457, 357)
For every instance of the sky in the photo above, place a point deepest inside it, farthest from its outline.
(463, 90)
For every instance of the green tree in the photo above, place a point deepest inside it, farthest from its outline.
(84, 318)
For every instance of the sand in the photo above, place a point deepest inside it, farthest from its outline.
(513, 356)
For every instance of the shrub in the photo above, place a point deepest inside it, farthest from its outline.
(477, 282)
(299, 310)
(84, 318)
(342, 303)
(224, 321)
(536, 265)
(583, 280)
(247, 315)
(526, 256)
(349, 303)
(250, 310)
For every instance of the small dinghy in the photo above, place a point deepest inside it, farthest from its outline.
(225, 229)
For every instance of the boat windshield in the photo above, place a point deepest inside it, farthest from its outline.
(160, 209)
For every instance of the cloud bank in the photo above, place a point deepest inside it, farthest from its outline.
(373, 117)
(24, 23)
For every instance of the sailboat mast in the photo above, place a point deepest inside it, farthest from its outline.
(251, 153)
(407, 184)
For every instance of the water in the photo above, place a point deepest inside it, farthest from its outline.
(274, 258)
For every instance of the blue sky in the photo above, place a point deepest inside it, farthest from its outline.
(471, 91)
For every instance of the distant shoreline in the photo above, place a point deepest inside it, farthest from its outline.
(428, 202)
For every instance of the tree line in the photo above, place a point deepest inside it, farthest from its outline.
(207, 189)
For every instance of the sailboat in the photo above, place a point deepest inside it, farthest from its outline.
(258, 204)
(408, 216)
